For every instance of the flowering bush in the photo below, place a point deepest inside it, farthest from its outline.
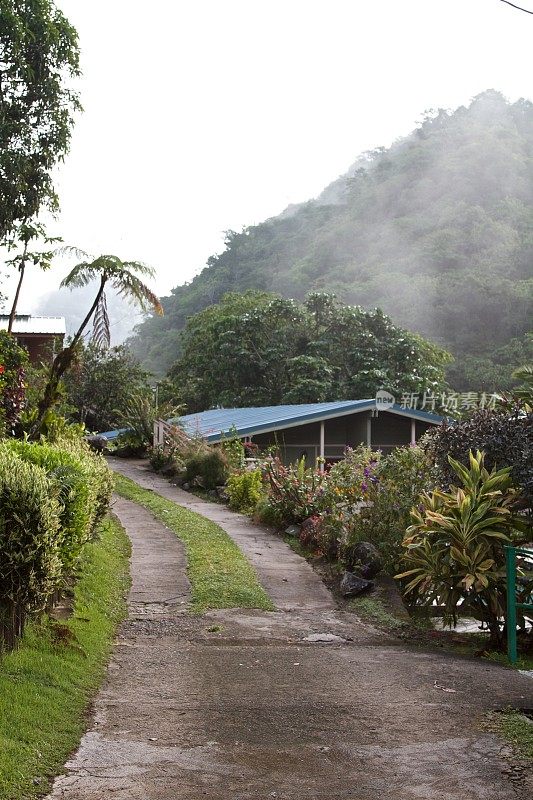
(351, 478)
(13, 360)
(295, 492)
(382, 519)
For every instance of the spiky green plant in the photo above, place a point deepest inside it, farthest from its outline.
(454, 550)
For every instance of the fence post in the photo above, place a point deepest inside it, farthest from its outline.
(510, 563)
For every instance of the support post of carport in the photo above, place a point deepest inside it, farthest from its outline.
(322, 445)
(369, 430)
(413, 431)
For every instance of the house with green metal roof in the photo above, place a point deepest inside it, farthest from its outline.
(312, 430)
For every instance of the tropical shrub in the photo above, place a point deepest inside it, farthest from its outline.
(382, 519)
(245, 489)
(52, 497)
(316, 533)
(294, 492)
(73, 488)
(82, 484)
(158, 458)
(505, 438)
(266, 514)
(98, 473)
(350, 479)
(138, 414)
(209, 469)
(101, 383)
(30, 542)
(454, 549)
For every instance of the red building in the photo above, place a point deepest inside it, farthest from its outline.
(41, 336)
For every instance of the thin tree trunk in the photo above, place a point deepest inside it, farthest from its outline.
(79, 332)
(60, 365)
(22, 269)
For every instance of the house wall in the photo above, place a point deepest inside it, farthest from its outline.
(390, 430)
(387, 431)
(40, 347)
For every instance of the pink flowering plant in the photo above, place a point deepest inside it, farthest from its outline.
(295, 492)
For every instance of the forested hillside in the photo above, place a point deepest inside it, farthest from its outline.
(437, 231)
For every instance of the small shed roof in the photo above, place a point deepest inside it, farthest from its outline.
(218, 422)
(27, 323)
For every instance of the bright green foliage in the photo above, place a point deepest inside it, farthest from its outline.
(209, 469)
(40, 56)
(392, 488)
(46, 684)
(436, 230)
(220, 575)
(97, 471)
(454, 548)
(30, 537)
(245, 489)
(78, 481)
(258, 349)
(51, 499)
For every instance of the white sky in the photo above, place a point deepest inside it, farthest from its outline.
(213, 114)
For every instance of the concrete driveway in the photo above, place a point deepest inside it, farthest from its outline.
(244, 705)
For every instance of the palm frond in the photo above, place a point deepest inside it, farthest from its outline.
(139, 267)
(72, 250)
(101, 332)
(80, 275)
(129, 285)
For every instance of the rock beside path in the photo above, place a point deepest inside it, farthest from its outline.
(353, 585)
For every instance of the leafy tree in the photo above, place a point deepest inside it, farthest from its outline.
(21, 237)
(259, 349)
(436, 230)
(101, 383)
(39, 57)
(123, 276)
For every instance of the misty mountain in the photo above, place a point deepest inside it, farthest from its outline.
(74, 305)
(437, 230)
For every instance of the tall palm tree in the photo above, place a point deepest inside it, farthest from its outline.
(123, 276)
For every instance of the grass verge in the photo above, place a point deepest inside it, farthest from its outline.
(516, 728)
(46, 684)
(220, 575)
(373, 610)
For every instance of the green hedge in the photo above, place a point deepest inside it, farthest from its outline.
(52, 496)
(245, 489)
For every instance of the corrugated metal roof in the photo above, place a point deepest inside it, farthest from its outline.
(26, 323)
(218, 422)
